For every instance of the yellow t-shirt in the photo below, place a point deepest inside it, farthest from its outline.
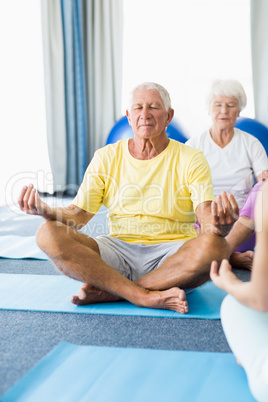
(149, 201)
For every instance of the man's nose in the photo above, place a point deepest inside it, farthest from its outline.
(145, 114)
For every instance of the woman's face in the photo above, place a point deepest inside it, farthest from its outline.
(224, 111)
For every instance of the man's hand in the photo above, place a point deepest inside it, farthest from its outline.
(225, 213)
(30, 202)
(218, 217)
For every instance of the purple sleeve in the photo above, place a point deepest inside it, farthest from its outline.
(249, 204)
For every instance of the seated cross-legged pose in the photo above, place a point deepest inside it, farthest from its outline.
(244, 311)
(153, 188)
(235, 158)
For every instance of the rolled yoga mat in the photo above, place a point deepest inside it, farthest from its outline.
(104, 374)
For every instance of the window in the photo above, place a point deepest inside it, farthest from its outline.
(23, 144)
(184, 45)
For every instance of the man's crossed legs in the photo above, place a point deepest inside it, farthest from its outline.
(77, 256)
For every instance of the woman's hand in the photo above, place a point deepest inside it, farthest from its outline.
(224, 278)
(30, 202)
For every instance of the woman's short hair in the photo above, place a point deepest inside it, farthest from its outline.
(164, 95)
(231, 88)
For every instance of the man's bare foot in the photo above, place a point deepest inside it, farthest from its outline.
(89, 294)
(171, 299)
(242, 260)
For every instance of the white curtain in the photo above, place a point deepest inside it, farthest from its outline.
(102, 29)
(259, 46)
(104, 47)
(54, 90)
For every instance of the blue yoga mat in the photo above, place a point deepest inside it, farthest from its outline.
(53, 292)
(17, 233)
(19, 247)
(102, 374)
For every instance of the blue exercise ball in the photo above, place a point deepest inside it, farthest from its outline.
(122, 130)
(255, 128)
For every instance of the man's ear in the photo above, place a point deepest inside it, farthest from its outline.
(170, 116)
(128, 117)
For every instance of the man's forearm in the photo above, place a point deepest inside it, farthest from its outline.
(69, 216)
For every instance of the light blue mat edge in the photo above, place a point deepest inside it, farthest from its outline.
(20, 247)
(51, 293)
(84, 373)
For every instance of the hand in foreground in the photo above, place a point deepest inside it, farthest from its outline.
(223, 278)
(224, 213)
(30, 202)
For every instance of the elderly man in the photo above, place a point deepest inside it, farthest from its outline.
(154, 188)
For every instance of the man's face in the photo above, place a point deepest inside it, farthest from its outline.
(147, 115)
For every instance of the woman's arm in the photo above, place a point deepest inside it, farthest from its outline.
(30, 202)
(253, 294)
(262, 176)
(259, 276)
(240, 232)
(225, 279)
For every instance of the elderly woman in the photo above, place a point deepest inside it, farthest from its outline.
(235, 157)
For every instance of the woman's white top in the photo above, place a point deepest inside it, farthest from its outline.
(233, 167)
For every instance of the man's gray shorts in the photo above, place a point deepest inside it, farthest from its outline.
(134, 260)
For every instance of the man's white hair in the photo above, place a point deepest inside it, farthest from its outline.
(230, 88)
(164, 95)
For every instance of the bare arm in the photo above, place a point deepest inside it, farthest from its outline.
(254, 293)
(240, 232)
(218, 217)
(30, 202)
(262, 176)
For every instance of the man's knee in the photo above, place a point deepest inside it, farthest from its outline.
(206, 248)
(48, 234)
(216, 246)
